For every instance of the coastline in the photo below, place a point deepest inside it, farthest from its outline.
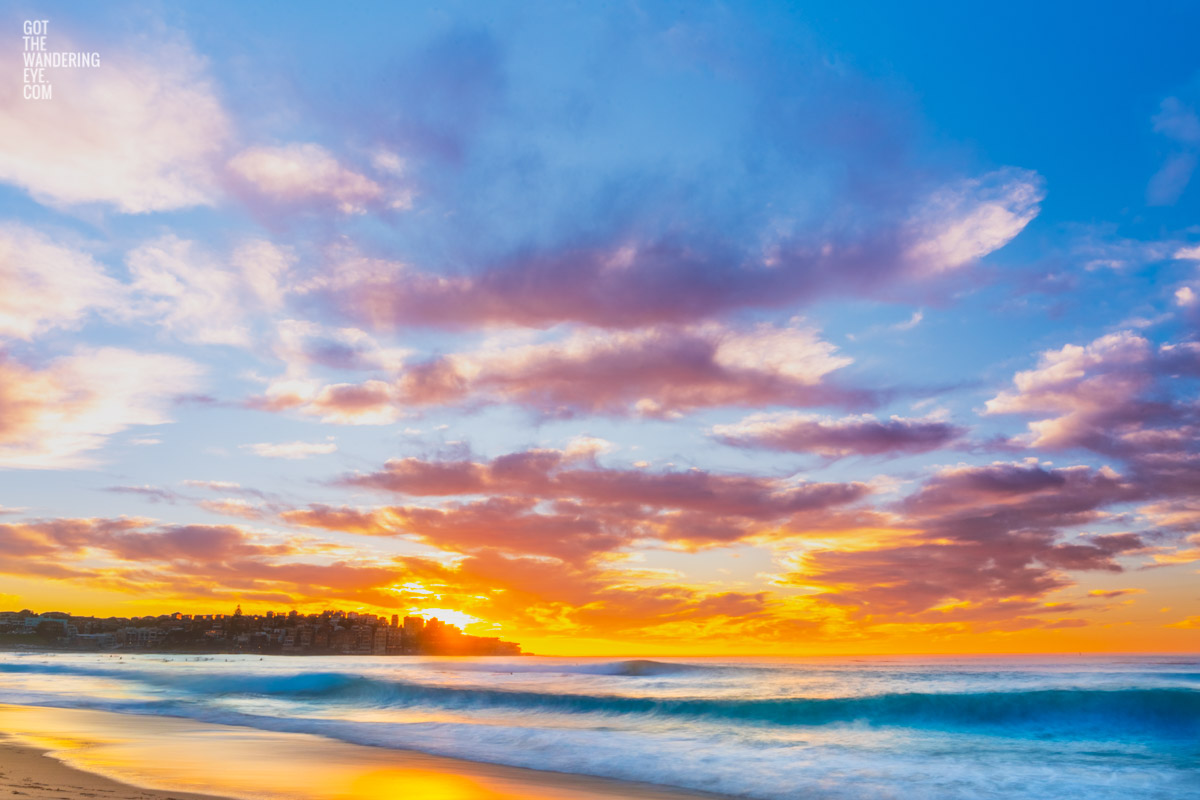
(48, 752)
(32, 773)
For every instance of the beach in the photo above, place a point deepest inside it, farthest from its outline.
(29, 772)
(67, 754)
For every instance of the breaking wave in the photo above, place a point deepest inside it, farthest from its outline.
(1169, 712)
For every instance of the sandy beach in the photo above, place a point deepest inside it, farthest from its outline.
(28, 772)
(67, 754)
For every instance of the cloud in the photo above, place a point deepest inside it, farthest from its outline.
(838, 438)
(52, 418)
(917, 317)
(200, 543)
(549, 473)
(1027, 493)
(147, 559)
(976, 544)
(1172, 178)
(187, 290)
(652, 372)
(233, 507)
(371, 402)
(636, 281)
(663, 371)
(141, 133)
(1089, 390)
(173, 282)
(154, 494)
(507, 524)
(305, 173)
(264, 267)
(1109, 594)
(45, 285)
(567, 506)
(226, 487)
(307, 348)
(961, 224)
(291, 450)
(1179, 123)
(137, 545)
(1118, 396)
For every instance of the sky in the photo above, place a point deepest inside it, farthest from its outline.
(661, 328)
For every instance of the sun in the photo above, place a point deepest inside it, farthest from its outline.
(459, 618)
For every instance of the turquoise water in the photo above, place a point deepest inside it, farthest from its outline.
(938, 728)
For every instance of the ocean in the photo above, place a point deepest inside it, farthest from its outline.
(918, 728)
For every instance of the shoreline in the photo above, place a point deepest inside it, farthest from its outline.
(33, 773)
(49, 752)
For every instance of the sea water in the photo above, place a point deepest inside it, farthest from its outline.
(1036, 728)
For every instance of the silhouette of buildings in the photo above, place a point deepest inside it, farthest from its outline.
(327, 633)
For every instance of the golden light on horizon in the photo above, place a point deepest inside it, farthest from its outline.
(459, 618)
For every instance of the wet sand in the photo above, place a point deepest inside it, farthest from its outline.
(113, 756)
(27, 772)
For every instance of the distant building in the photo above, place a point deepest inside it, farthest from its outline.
(330, 632)
(379, 645)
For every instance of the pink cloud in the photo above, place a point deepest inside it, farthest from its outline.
(978, 542)
(1118, 396)
(663, 371)
(636, 281)
(1088, 390)
(838, 438)
(549, 474)
(568, 507)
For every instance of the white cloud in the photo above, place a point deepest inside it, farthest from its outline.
(140, 132)
(963, 223)
(917, 317)
(214, 485)
(264, 267)
(1191, 253)
(291, 450)
(44, 285)
(51, 418)
(191, 294)
(793, 352)
(299, 172)
(1079, 384)
(187, 292)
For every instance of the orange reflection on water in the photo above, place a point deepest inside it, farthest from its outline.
(387, 784)
(183, 755)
